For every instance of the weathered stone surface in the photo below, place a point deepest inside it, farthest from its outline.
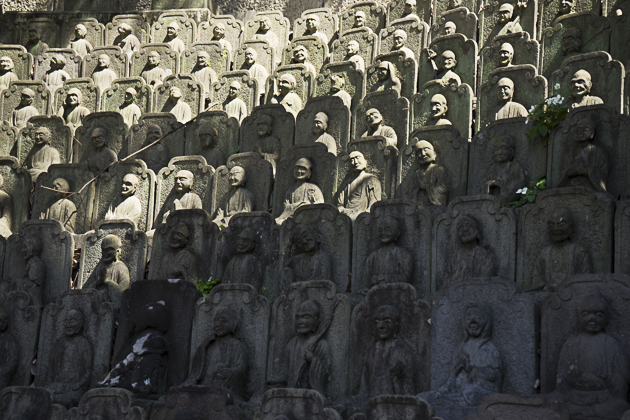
(48, 31)
(22, 61)
(295, 403)
(90, 99)
(55, 77)
(524, 51)
(619, 26)
(417, 35)
(219, 60)
(233, 30)
(305, 81)
(395, 406)
(337, 125)
(328, 23)
(277, 34)
(395, 112)
(113, 99)
(515, 407)
(225, 141)
(94, 35)
(406, 259)
(116, 133)
(14, 195)
(11, 103)
(522, 18)
(8, 36)
(107, 403)
(169, 61)
(621, 245)
(353, 85)
(459, 102)
(248, 92)
(33, 403)
(192, 95)
(8, 139)
(406, 72)
(465, 51)
(396, 10)
(464, 20)
(368, 46)
(187, 28)
(118, 62)
(201, 402)
(589, 229)
(374, 16)
(139, 27)
(550, 11)
(317, 52)
(56, 247)
(60, 139)
(442, 6)
(326, 334)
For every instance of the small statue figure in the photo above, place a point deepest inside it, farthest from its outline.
(359, 190)
(103, 76)
(506, 11)
(386, 78)
(301, 192)
(218, 35)
(172, 38)
(208, 138)
(506, 176)
(337, 85)
(300, 56)
(128, 109)
(233, 105)
(566, 7)
(25, 109)
(409, 10)
(6, 210)
(571, 41)
(6, 72)
(506, 55)
(203, 73)
(63, 210)
(507, 107)
(153, 74)
(580, 90)
(320, 125)
(256, 71)
(446, 74)
(431, 181)
(33, 281)
(563, 257)
(312, 28)
(80, 44)
(35, 45)
(56, 75)
(400, 43)
(471, 259)
(42, 155)
(286, 95)
(352, 54)
(178, 107)
(126, 205)
(389, 263)
(311, 263)
(178, 262)
(182, 197)
(101, 158)
(264, 33)
(72, 111)
(439, 108)
(9, 351)
(450, 28)
(359, 19)
(245, 266)
(157, 156)
(126, 40)
(110, 276)
(237, 200)
(269, 146)
(377, 127)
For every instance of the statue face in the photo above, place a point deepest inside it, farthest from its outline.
(352, 49)
(384, 325)
(264, 25)
(218, 32)
(263, 129)
(566, 6)
(503, 153)
(33, 35)
(382, 73)
(59, 185)
(583, 132)
(26, 248)
(153, 133)
(110, 254)
(357, 162)
(154, 60)
(72, 99)
(178, 239)
(448, 62)
(425, 154)
(307, 241)
(504, 92)
(409, 6)
(570, 43)
(249, 58)
(171, 32)
(301, 172)
(25, 100)
(438, 109)
(359, 21)
(5, 64)
(593, 316)
(207, 139)
(4, 320)
(506, 56)
(299, 55)
(476, 322)
(580, 87)
(78, 32)
(103, 61)
(202, 60)
(311, 23)
(374, 118)
(449, 28)
(41, 137)
(222, 324)
(467, 232)
(236, 177)
(319, 127)
(387, 232)
(183, 183)
(128, 187)
(245, 242)
(99, 138)
(560, 227)
(72, 324)
(399, 41)
(285, 86)
(505, 16)
(233, 92)
(305, 321)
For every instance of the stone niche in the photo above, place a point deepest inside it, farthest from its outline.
(17, 185)
(465, 22)
(114, 97)
(354, 81)
(368, 45)
(227, 131)
(294, 403)
(118, 61)
(91, 96)
(188, 27)
(524, 15)
(60, 139)
(42, 63)
(12, 96)
(328, 22)
(280, 26)
(526, 51)
(465, 51)
(550, 15)
(95, 30)
(233, 30)
(395, 112)
(108, 403)
(338, 122)
(116, 130)
(139, 28)
(374, 16)
(192, 94)
(22, 61)
(405, 69)
(317, 51)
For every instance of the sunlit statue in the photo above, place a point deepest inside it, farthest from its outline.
(359, 190)
(203, 73)
(182, 197)
(312, 28)
(128, 109)
(386, 78)
(581, 85)
(409, 9)
(302, 192)
(237, 200)
(506, 55)
(450, 28)
(111, 275)
(400, 43)
(72, 111)
(233, 105)
(102, 75)
(446, 72)
(218, 35)
(300, 56)
(265, 33)
(172, 38)
(256, 70)
(352, 54)
(310, 262)
(55, 76)
(507, 108)
(6, 211)
(337, 85)
(286, 94)
(439, 109)
(63, 210)
(377, 127)
(126, 40)
(177, 106)
(509, 25)
(153, 74)
(6, 72)
(389, 263)
(126, 205)
(320, 125)
(25, 109)
(359, 19)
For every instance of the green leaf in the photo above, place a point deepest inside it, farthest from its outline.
(543, 130)
(533, 132)
(530, 198)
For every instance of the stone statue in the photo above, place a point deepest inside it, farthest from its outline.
(471, 258)
(337, 85)
(308, 359)
(233, 105)
(218, 35)
(35, 45)
(507, 108)
(72, 111)
(300, 56)
(6, 210)
(431, 181)
(286, 95)
(352, 54)
(71, 362)
(580, 90)
(182, 198)
(203, 73)
(587, 164)
(359, 19)
(256, 71)
(101, 158)
(264, 33)
(34, 278)
(153, 73)
(593, 367)
(439, 108)
(128, 109)
(172, 38)
(301, 192)
(359, 190)
(509, 26)
(566, 7)
(176, 106)
(110, 276)
(63, 210)
(563, 257)
(446, 72)
(156, 157)
(571, 41)
(126, 205)
(311, 263)
(409, 9)
(377, 127)
(56, 75)
(6, 72)
(312, 28)
(505, 176)
(208, 138)
(42, 155)
(386, 78)
(506, 55)
(400, 43)
(320, 125)
(237, 200)
(9, 351)
(126, 40)
(454, 4)
(25, 109)
(245, 266)
(81, 45)
(389, 263)
(450, 28)
(221, 359)
(269, 146)
(178, 262)
(103, 76)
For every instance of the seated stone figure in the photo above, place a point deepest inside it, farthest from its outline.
(505, 176)
(353, 54)
(110, 276)
(320, 125)
(311, 263)
(563, 257)
(126, 40)
(25, 109)
(506, 55)
(128, 109)
(439, 108)
(80, 44)
(471, 258)
(506, 23)
(221, 359)
(34, 278)
(103, 76)
(218, 35)
(571, 42)
(102, 156)
(156, 157)
(477, 368)
(256, 71)
(581, 85)
(312, 28)
(377, 127)
(386, 78)
(301, 192)
(6, 72)
(181, 198)
(71, 362)
(337, 85)
(593, 367)
(126, 205)
(238, 200)
(178, 262)
(359, 190)
(42, 155)
(446, 70)
(208, 138)
(172, 38)
(300, 56)
(6, 211)
(400, 43)
(264, 33)
(587, 165)
(507, 108)
(62, 210)
(245, 266)
(203, 73)
(286, 95)
(35, 45)
(9, 351)
(72, 111)
(177, 106)
(269, 146)
(153, 73)
(233, 105)
(308, 359)
(389, 263)
(431, 181)
(56, 75)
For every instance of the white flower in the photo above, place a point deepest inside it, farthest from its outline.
(532, 108)
(522, 191)
(549, 101)
(556, 86)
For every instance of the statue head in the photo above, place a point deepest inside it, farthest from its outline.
(450, 28)
(218, 32)
(175, 94)
(593, 312)
(99, 137)
(111, 247)
(425, 153)
(236, 177)
(581, 84)
(307, 239)
(73, 324)
(410, 7)
(203, 59)
(80, 31)
(4, 319)
(352, 48)
(250, 56)
(337, 82)
(374, 118)
(505, 13)
(208, 136)
(125, 29)
(388, 230)
(34, 33)
(467, 230)
(154, 132)
(357, 161)
(300, 54)
(307, 318)
(103, 61)
(6, 64)
(359, 19)
(571, 41)
(246, 241)
(385, 71)
(584, 131)
(286, 83)
(504, 149)
(225, 322)
(172, 30)
(31, 247)
(264, 125)
(454, 4)
(506, 54)
(320, 123)
(439, 106)
(61, 186)
(26, 97)
(57, 62)
(567, 6)
(264, 24)
(386, 322)
(153, 59)
(180, 235)
(449, 62)
(42, 136)
(312, 23)
(505, 89)
(560, 224)
(399, 38)
(130, 95)
(74, 97)
(129, 185)
(302, 169)
(184, 181)
(477, 321)
(235, 88)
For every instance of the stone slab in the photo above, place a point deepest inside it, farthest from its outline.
(22, 60)
(466, 53)
(227, 136)
(490, 26)
(112, 122)
(406, 71)
(141, 29)
(459, 101)
(17, 184)
(465, 23)
(338, 121)
(114, 97)
(368, 45)
(354, 81)
(374, 16)
(95, 31)
(187, 32)
(12, 96)
(526, 51)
